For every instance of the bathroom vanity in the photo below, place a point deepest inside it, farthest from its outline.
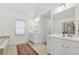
(62, 46)
(3, 43)
(64, 38)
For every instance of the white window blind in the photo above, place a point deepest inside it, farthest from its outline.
(20, 27)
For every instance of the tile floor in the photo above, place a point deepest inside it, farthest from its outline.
(39, 48)
(10, 50)
(26, 49)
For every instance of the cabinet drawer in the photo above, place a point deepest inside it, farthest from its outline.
(59, 49)
(51, 50)
(74, 43)
(59, 46)
(71, 50)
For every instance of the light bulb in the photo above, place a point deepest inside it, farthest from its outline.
(37, 19)
(62, 5)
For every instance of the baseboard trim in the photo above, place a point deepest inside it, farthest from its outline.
(31, 42)
(18, 43)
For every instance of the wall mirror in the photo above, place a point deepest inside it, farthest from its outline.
(64, 22)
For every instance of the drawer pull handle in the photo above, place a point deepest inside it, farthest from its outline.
(62, 45)
(67, 47)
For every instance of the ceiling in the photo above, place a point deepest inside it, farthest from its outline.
(69, 13)
(47, 15)
(21, 8)
(28, 9)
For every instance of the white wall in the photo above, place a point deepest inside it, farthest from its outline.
(7, 26)
(59, 9)
(77, 19)
(45, 28)
(45, 7)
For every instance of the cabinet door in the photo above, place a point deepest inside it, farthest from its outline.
(59, 46)
(50, 45)
(72, 48)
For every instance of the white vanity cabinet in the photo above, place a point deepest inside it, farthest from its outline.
(59, 46)
(50, 46)
(72, 47)
(55, 46)
(3, 43)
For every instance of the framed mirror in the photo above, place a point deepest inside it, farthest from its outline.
(64, 22)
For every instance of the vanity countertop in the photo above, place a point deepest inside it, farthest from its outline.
(4, 41)
(66, 38)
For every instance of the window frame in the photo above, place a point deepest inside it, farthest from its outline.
(19, 27)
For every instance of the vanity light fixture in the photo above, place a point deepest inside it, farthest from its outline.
(62, 5)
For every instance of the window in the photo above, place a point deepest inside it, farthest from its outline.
(20, 27)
